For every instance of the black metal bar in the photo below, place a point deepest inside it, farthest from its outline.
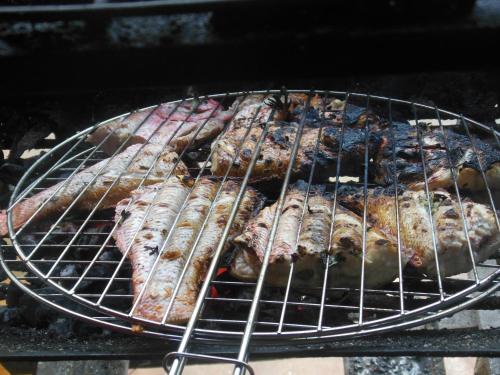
(451, 343)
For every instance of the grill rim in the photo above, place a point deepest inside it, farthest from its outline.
(202, 333)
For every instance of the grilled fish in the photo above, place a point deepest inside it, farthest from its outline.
(164, 123)
(416, 226)
(157, 296)
(144, 225)
(313, 246)
(276, 151)
(140, 161)
(409, 168)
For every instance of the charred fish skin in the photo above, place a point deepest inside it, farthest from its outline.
(275, 152)
(447, 223)
(143, 158)
(460, 151)
(145, 224)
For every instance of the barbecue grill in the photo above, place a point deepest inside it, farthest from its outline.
(230, 311)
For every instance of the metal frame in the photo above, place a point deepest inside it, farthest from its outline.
(96, 7)
(446, 303)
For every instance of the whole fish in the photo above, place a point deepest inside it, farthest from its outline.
(313, 247)
(153, 234)
(416, 226)
(64, 193)
(162, 123)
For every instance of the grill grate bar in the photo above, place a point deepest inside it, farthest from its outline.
(334, 208)
(334, 212)
(309, 183)
(457, 192)
(252, 315)
(178, 364)
(300, 304)
(429, 204)
(396, 210)
(365, 212)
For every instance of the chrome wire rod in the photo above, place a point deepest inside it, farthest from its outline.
(365, 213)
(396, 211)
(457, 193)
(334, 210)
(178, 364)
(301, 221)
(429, 204)
(254, 308)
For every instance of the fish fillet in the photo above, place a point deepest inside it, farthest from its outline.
(142, 160)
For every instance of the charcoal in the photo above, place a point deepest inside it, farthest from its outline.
(68, 270)
(13, 296)
(35, 313)
(10, 316)
(109, 255)
(3, 291)
(8, 252)
(61, 327)
(81, 329)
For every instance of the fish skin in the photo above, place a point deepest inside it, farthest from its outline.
(130, 180)
(165, 199)
(452, 247)
(157, 295)
(275, 153)
(277, 145)
(161, 285)
(188, 292)
(314, 244)
(163, 122)
(276, 149)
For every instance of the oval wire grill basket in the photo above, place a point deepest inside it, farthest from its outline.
(76, 256)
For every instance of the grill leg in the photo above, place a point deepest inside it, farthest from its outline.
(83, 368)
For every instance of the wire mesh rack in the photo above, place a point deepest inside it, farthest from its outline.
(75, 253)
